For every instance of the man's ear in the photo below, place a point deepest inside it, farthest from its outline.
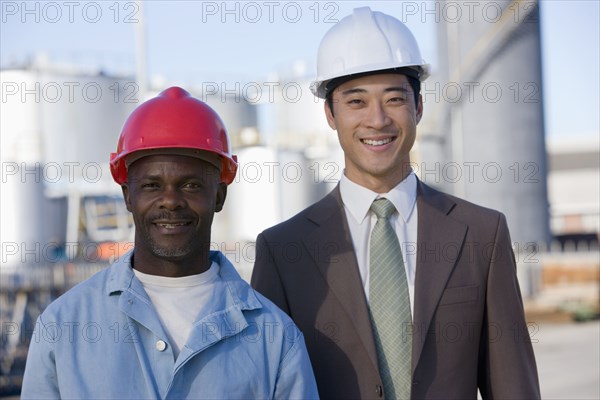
(329, 115)
(220, 197)
(419, 108)
(125, 190)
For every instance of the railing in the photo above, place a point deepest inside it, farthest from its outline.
(24, 293)
(561, 280)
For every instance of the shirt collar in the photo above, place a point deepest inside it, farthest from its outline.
(122, 278)
(358, 199)
(120, 274)
(240, 292)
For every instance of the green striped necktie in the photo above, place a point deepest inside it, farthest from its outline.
(389, 302)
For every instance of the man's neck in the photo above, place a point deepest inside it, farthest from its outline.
(169, 267)
(381, 184)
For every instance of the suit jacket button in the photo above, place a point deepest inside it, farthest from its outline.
(379, 390)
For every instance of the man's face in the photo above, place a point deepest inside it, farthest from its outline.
(173, 199)
(376, 120)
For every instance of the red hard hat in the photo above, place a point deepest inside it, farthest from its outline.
(173, 120)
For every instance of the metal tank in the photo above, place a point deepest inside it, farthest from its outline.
(253, 198)
(297, 177)
(299, 125)
(237, 114)
(30, 223)
(487, 96)
(82, 125)
(299, 117)
(58, 128)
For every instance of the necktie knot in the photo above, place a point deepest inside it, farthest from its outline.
(383, 208)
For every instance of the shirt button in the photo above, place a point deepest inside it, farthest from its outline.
(161, 345)
(379, 390)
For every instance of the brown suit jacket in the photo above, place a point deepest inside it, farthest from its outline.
(468, 331)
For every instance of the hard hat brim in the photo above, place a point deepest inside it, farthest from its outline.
(322, 87)
(334, 83)
(208, 156)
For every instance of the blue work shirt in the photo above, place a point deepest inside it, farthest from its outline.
(103, 339)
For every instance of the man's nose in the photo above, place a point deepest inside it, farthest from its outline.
(377, 117)
(172, 198)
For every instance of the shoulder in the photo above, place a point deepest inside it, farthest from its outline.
(264, 319)
(272, 314)
(81, 298)
(456, 207)
(258, 309)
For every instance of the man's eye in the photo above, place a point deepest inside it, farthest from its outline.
(355, 101)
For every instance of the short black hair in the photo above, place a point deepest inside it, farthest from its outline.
(411, 75)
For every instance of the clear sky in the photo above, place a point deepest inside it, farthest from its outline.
(190, 42)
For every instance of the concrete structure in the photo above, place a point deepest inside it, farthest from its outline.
(574, 188)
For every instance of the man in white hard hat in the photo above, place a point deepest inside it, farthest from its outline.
(170, 319)
(400, 290)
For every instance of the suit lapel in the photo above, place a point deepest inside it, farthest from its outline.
(439, 241)
(330, 245)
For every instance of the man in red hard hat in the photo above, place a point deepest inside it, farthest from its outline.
(413, 293)
(171, 319)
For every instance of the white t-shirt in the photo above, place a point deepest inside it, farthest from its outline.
(178, 301)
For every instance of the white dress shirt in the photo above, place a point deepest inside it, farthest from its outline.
(357, 203)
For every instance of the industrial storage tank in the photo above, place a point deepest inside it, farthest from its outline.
(58, 128)
(82, 116)
(297, 124)
(253, 197)
(235, 111)
(299, 118)
(487, 94)
(26, 216)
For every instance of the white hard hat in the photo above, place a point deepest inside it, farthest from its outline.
(363, 42)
